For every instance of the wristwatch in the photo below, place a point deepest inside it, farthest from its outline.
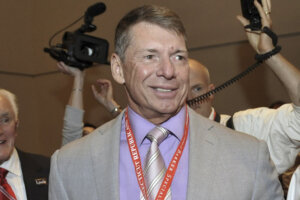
(115, 110)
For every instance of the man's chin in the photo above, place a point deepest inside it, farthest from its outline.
(169, 109)
(4, 157)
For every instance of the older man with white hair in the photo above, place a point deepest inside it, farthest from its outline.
(22, 175)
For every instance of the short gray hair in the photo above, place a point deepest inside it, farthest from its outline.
(12, 100)
(157, 15)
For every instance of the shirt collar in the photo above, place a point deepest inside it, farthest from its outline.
(13, 164)
(141, 126)
(212, 114)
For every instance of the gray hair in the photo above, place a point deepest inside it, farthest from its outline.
(12, 100)
(157, 15)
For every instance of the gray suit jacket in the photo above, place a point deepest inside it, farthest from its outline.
(223, 164)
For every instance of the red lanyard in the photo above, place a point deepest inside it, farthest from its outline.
(135, 156)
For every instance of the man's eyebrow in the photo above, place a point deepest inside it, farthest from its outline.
(152, 50)
(148, 50)
(155, 51)
(6, 114)
(180, 51)
(197, 85)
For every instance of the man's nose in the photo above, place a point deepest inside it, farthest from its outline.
(166, 69)
(1, 128)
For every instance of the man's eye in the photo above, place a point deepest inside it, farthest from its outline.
(197, 89)
(179, 57)
(149, 57)
(5, 120)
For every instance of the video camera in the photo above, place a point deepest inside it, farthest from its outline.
(78, 49)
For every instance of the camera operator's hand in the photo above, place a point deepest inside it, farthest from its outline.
(69, 70)
(261, 42)
(287, 73)
(104, 95)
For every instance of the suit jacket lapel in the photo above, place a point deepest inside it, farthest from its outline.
(108, 176)
(203, 152)
(27, 173)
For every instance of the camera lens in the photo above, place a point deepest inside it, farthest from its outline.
(87, 51)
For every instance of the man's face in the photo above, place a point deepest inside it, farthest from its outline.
(200, 84)
(8, 133)
(155, 72)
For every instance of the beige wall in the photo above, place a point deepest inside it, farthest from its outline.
(42, 102)
(215, 38)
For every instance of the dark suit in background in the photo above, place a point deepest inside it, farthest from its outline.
(35, 169)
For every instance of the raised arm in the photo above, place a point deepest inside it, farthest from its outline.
(73, 119)
(76, 99)
(280, 127)
(104, 95)
(262, 43)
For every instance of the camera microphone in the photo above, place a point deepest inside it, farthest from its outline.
(93, 11)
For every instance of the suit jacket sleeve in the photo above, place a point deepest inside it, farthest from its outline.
(56, 188)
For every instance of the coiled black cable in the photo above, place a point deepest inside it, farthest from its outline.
(259, 57)
(202, 97)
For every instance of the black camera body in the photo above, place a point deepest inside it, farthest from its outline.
(78, 49)
(85, 49)
(250, 12)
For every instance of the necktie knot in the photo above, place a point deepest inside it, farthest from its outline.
(158, 134)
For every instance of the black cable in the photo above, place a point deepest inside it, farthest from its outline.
(50, 40)
(202, 97)
(259, 57)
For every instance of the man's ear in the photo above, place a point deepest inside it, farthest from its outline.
(17, 123)
(117, 68)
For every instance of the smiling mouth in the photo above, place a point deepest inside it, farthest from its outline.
(2, 141)
(163, 90)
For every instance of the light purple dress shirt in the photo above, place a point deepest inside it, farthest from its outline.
(129, 188)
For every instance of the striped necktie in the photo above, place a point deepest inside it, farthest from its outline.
(154, 168)
(6, 193)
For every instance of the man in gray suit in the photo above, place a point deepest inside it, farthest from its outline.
(204, 160)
